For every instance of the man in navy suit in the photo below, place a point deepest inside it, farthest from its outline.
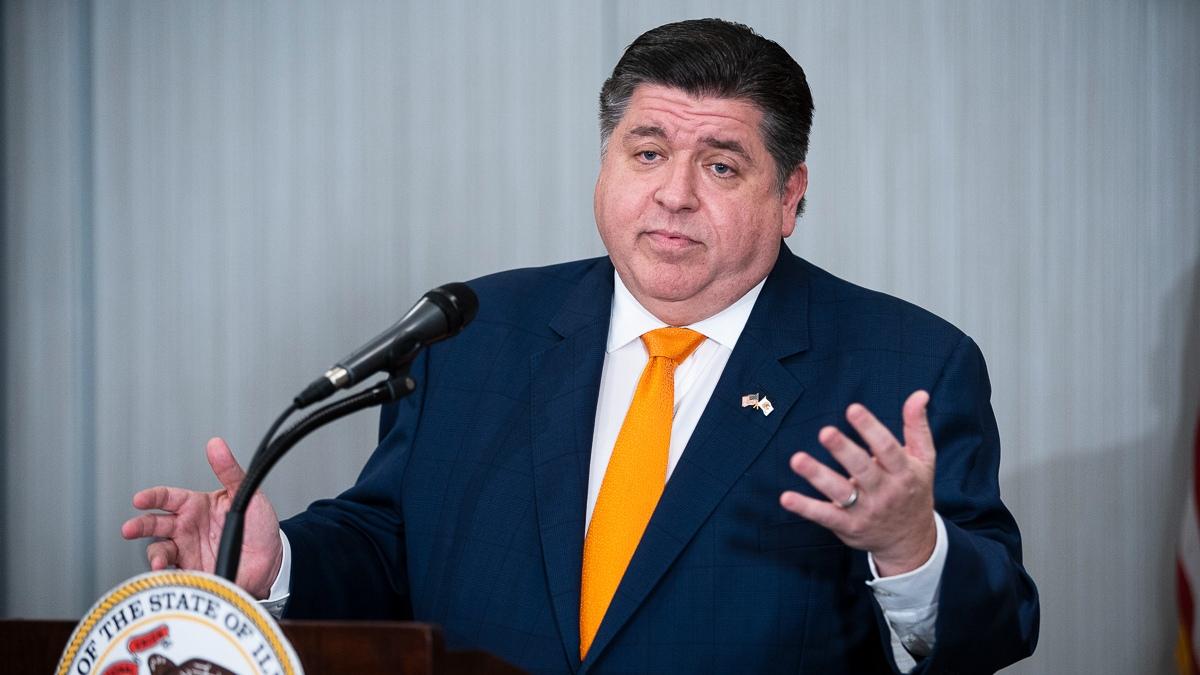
(885, 546)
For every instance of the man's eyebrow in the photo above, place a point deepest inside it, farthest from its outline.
(732, 146)
(646, 131)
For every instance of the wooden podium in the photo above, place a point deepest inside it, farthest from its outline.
(324, 647)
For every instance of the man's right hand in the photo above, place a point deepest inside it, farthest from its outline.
(187, 526)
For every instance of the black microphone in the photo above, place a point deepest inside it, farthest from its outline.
(439, 314)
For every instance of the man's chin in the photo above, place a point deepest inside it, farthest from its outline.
(669, 291)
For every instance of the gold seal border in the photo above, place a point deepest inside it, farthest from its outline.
(145, 582)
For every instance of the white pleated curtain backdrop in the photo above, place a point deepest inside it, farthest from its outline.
(204, 204)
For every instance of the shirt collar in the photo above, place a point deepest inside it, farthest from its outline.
(630, 319)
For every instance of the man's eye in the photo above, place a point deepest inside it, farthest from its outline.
(648, 155)
(722, 169)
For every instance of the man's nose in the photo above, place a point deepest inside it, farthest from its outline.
(677, 192)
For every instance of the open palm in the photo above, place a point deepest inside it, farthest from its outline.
(187, 526)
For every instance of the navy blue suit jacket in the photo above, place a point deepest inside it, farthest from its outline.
(470, 513)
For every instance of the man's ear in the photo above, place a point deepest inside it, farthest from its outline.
(793, 192)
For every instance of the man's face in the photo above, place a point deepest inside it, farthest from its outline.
(687, 202)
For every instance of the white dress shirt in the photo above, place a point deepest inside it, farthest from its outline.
(909, 601)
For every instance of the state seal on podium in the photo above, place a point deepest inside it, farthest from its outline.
(178, 623)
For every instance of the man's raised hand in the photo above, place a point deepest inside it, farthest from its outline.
(187, 526)
(888, 498)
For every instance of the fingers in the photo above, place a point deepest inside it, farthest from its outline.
(884, 446)
(223, 464)
(162, 554)
(161, 498)
(918, 437)
(848, 453)
(829, 482)
(149, 525)
(820, 512)
(894, 502)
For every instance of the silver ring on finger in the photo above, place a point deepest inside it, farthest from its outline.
(849, 501)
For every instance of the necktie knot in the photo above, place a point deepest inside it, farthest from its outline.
(673, 343)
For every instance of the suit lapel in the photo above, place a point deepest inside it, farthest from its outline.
(726, 441)
(565, 385)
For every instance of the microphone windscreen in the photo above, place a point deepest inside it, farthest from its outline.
(458, 301)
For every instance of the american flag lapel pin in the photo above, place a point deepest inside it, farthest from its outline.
(750, 400)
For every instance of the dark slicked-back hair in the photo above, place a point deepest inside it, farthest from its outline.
(712, 57)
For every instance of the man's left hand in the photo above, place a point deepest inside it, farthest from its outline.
(891, 488)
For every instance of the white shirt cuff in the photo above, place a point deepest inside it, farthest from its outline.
(910, 602)
(281, 589)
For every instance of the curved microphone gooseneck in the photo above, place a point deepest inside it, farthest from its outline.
(439, 314)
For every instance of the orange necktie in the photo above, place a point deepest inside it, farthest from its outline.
(634, 479)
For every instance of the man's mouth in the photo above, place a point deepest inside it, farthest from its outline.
(670, 239)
